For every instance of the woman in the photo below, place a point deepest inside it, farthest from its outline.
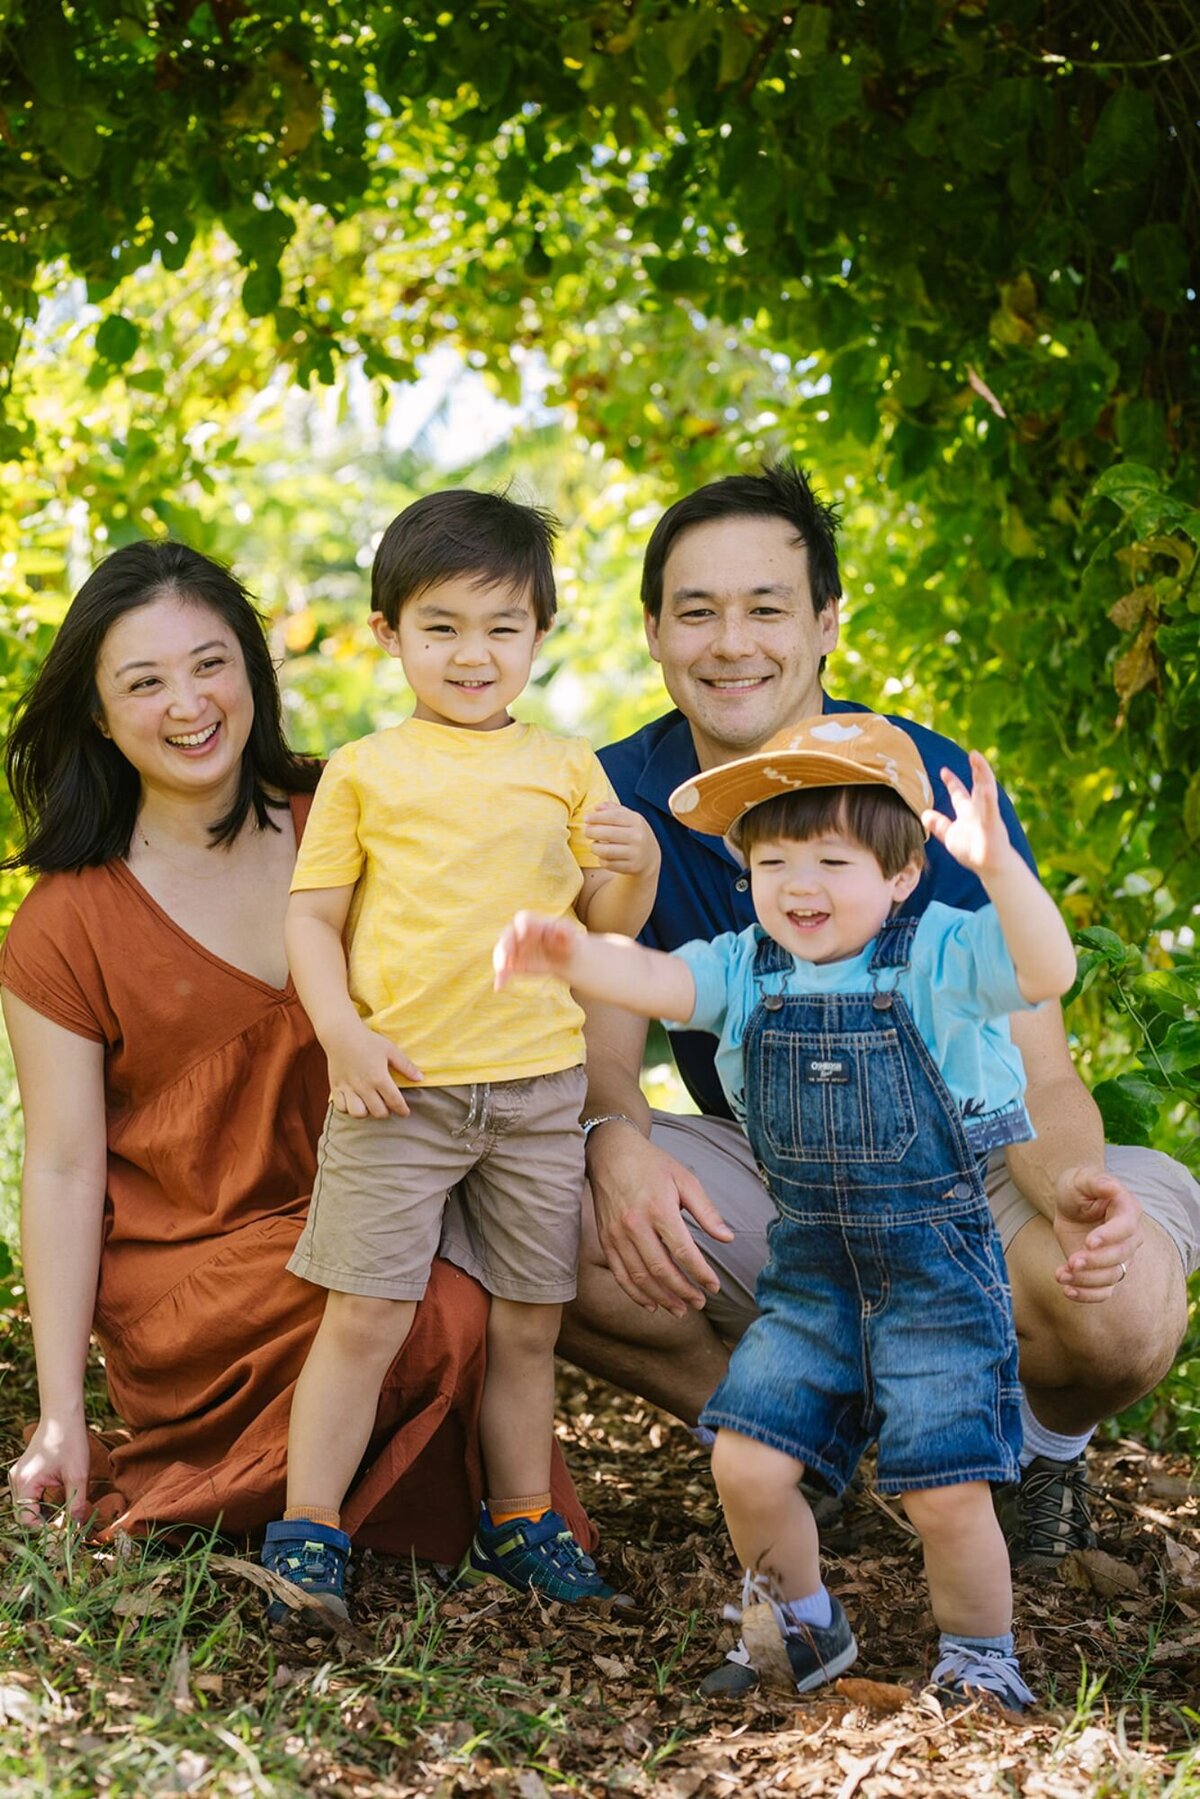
(173, 1090)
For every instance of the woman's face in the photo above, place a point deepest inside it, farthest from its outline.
(175, 697)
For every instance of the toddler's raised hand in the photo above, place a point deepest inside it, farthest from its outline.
(623, 840)
(534, 945)
(976, 836)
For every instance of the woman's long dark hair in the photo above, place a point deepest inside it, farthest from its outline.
(76, 794)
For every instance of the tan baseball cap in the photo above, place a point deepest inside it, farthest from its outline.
(837, 749)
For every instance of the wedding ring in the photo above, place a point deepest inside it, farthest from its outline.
(1124, 1272)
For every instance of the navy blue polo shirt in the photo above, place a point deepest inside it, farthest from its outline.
(702, 891)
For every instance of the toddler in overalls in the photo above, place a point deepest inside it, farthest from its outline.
(868, 1055)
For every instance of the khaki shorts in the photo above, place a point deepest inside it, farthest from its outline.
(489, 1176)
(719, 1155)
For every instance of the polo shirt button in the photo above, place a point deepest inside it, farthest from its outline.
(741, 884)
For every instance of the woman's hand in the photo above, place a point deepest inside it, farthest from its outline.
(52, 1471)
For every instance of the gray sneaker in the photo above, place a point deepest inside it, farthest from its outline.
(1046, 1513)
(964, 1674)
(816, 1656)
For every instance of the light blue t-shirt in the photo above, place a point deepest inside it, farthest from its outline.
(960, 986)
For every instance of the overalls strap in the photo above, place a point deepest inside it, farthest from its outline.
(893, 946)
(770, 957)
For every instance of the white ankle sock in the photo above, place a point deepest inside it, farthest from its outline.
(1040, 1441)
(954, 1639)
(814, 1608)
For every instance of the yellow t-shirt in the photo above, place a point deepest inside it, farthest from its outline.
(446, 833)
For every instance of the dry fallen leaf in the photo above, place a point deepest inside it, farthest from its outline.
(768, 1657)
(1094, 1571)
(877, 1695)
(1183, 1568)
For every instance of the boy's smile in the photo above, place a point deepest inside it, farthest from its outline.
(467, 649)
(824, 899)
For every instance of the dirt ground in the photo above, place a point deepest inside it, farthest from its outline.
(1126, 1616)
(1120, 1624)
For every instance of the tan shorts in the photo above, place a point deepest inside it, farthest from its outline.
(719, 1155)
(489, 1176)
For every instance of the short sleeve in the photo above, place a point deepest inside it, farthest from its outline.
(972, 961)
(331, 853)
(592, 788)
(48, 962)
(711, 966)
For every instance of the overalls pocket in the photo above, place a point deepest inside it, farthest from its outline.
(841, 1098)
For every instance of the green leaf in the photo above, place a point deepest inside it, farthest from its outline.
(46, 53)
(537, 264)
(1161, 264)
(1142, 431)
(1179, 1051)
(1124, 147)
(1113, 949)
(79, 147)
(117, 339)
(1191, 808)
(1171, 989)
(690, 275)
(737, 47)
(261, 291)
(810, 32)
(1128, 481)
(1129, 1106)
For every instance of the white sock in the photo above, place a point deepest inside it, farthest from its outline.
(814, 1608)
(1040, 1441)
(954, 1639)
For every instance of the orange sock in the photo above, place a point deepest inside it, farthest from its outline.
(316, 1514)
(527, 1505)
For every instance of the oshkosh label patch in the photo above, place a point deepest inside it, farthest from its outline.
(827, 1068)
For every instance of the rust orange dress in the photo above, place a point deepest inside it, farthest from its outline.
(216, 1090)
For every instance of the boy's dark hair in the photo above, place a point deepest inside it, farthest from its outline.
(460, 532)
(872, 815)
(781, 491)
(76, 796)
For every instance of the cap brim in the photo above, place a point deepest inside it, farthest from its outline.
(722, 795)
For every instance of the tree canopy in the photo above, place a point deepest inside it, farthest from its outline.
(942, 250)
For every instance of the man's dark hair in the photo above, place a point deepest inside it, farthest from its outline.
(76, 795)
(782, 490)
(486, 537)
(871, 815)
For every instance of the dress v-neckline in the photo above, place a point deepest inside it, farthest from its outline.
(143, 893)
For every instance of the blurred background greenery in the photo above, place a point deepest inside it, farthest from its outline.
(267, 274)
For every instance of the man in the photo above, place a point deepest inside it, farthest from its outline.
(741, 593)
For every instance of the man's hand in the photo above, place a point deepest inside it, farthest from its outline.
(640, 1194)
(623, 840)
(360, 1073)
(1098, 1224)
(532, 944)
(52, 1471)
(976, 836)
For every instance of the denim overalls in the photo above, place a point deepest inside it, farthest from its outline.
(885, 1305)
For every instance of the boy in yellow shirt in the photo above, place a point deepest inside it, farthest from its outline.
(454, 1111)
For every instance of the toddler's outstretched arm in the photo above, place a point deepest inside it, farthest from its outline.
(614, 968)
(1038, 940)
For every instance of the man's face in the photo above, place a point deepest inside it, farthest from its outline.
(737, 639)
